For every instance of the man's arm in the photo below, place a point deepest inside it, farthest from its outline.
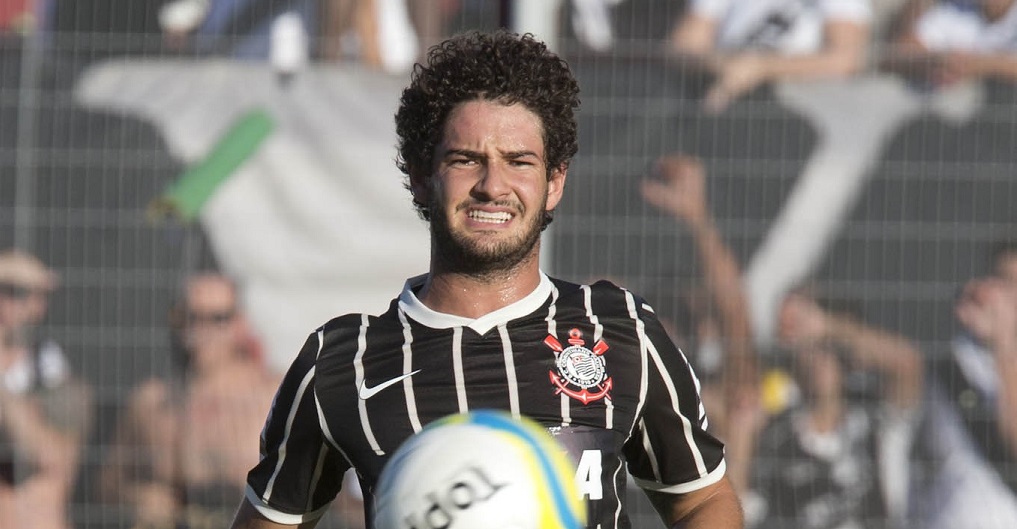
(988, 310)
(842, 55)
(804, 323)
(714, 506)
(134, 471)
(693, 36)
(248, 517)
(49, 428)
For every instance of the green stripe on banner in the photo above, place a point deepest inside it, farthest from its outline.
(185, 197)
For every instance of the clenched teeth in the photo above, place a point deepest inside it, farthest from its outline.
(494, 218)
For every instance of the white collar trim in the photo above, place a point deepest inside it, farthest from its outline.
(416, 310)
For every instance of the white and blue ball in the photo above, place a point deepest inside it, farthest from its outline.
(479, 470)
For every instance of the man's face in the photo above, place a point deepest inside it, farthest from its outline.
(820, 372)
(211, 324)
(490, 187)
(21, 304)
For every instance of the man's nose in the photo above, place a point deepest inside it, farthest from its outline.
(494, 182)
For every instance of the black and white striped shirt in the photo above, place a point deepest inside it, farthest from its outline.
(590, 362)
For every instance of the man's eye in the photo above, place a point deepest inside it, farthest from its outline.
(461, 161)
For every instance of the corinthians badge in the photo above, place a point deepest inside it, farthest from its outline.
(581, 372)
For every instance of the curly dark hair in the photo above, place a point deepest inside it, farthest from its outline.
(499, 66)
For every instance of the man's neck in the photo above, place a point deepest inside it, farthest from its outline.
(473, 296)
(825, 415)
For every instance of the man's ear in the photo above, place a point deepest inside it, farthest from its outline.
(419, 186)
(556, 186)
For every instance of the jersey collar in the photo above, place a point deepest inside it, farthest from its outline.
(417, 311)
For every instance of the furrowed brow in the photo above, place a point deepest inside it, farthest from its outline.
(512, 155)
(465, 153)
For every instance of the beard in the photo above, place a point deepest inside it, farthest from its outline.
(458, 253)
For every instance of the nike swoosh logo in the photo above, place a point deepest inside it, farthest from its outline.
(366, 392)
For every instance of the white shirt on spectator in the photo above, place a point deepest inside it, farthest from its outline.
(786, 26)
(950, 26)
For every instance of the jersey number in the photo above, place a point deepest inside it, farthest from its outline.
(588, 475)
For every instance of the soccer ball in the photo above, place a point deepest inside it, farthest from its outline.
(479, 470)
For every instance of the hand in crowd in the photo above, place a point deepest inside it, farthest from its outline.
(679, 188)
(988, 309)
(735, 76)
(157, 505)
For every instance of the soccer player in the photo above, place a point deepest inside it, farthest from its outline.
(486, 132)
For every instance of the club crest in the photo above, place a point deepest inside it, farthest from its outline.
(582, 372)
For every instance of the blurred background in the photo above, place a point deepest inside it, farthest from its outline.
(173, 169)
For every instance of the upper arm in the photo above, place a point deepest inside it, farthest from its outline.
(129, 452)
(846, 36)
(300, 472)
(714, 506)
(694, 34)
(846, 42)
(670, 449)
(248, 517)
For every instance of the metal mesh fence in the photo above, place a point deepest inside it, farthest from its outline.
(897, 226)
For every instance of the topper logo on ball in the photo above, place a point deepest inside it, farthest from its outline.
(467, 488)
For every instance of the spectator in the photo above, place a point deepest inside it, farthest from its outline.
(714, 327)
(383, 34)
(592, 23)
(45, 411)
(971, 431)
(958, 40)
(832, 461)
(184, 444)
(246, 29)
(748, 43)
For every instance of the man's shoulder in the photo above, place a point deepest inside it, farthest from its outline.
(357, 319)
(598, 285)
(601, 297)
(341, 329)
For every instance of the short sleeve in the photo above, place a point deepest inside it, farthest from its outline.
(859, 11)
(300, 472)
(944, 27)
(670, 449)
(712, 9)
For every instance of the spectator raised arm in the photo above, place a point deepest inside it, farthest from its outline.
(970, 432)
(679, 189)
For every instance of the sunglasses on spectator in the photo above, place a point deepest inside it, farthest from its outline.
(211, 317)
(18, 292)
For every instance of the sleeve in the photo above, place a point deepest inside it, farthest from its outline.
(670, 449)
(943, 27)
(300, 472)
(712, 9)
(859, 11)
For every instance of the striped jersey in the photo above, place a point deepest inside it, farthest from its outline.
(590, 362)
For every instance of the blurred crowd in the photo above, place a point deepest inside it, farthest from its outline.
(742, 44)
(839, 424)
